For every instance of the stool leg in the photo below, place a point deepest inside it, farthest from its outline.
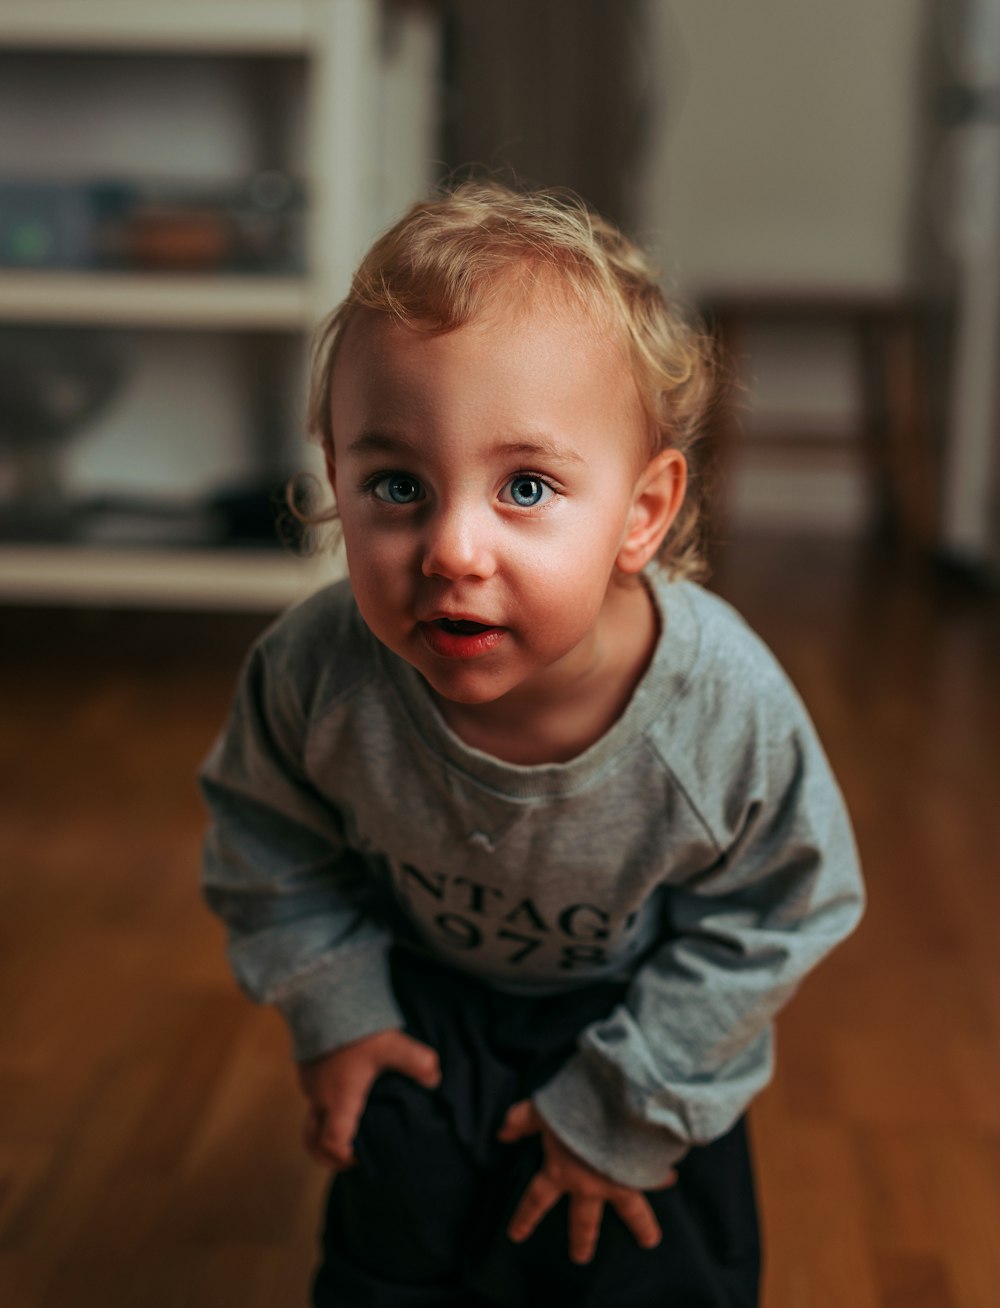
(874, 405)
(909, 449)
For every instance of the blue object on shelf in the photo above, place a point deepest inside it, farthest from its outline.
(51, 224)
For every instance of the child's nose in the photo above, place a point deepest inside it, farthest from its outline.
(457, 544)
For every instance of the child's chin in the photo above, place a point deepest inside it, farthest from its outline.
(467, 695)
(464, 686)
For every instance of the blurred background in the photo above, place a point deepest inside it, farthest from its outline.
(184, 192)
(182, 198)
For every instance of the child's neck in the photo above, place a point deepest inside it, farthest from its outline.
(566, 720)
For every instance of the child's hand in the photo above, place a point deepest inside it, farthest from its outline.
(338, 1083)
(564, 1173)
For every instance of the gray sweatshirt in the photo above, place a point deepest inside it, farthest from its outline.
(700, 849)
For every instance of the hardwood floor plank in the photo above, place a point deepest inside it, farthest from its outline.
(965, 1184)
(820, 1254)
(906, 1281)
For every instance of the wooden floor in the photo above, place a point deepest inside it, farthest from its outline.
(148, 1117)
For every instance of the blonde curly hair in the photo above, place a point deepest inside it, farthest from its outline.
(441, 263)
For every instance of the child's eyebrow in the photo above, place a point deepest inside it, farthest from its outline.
(539, 447)
(382, 442)
(532, 446)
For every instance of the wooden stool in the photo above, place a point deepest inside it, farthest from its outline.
(894, 425)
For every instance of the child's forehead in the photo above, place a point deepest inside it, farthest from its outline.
(511, 308)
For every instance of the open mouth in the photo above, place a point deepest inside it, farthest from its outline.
(460, 627)
(461, 638)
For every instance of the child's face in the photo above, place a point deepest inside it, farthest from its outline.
(490, 481)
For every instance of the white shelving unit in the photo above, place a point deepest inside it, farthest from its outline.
(368, 91)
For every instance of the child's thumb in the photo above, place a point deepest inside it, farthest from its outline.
(417, 1061)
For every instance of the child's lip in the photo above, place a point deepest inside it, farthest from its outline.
(444, 640)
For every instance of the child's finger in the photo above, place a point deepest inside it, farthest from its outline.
(416, 1060)
(343, 1115)
(522, 1119)
(312, 1138)
(540, 1198)
(337, 1138)
(311, 1128)
(585, 1215)
(635, 1211)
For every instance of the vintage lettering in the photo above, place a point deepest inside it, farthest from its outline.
(528, 945)
(526, 913)
(435, 887)
(584, 922)
(520, 931)
(461, 933)
(478, 893)
(582, 956)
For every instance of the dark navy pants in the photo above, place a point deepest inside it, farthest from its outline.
(420, 1221)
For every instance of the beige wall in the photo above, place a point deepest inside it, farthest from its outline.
(783, 140)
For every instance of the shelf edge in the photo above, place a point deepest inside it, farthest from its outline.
(208, 26)
(91, 576)
(156, 300)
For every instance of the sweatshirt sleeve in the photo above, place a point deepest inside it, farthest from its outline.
(679, 1061)
(293, 896)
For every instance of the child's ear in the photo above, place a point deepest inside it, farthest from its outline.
(659, 494)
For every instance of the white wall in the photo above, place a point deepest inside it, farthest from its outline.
(130, 116)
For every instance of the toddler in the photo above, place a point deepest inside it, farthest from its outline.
(524, 832)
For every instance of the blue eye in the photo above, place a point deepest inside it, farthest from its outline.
(397, 488)
(526, 492)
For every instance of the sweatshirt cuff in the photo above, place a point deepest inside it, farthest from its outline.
(589, 1121)
(350, 998)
